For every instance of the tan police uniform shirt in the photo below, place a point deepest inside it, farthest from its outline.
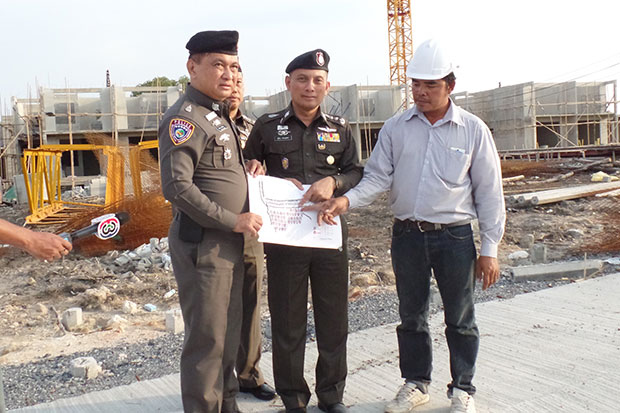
(201, 162)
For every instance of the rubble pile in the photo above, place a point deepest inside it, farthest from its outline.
(154, 256)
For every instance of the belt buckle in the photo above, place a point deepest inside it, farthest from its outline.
(418, 223)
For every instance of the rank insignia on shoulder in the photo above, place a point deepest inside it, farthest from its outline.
(273, 115)
(284, 162)
(180, 130)
(328, 137)
(224, 137)
(227, 154)
(188, 108)
(342, 121)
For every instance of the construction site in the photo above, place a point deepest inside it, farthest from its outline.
(69, 155)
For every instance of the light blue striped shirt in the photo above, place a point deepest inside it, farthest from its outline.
(441, 173)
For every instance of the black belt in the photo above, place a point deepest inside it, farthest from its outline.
(424, 226)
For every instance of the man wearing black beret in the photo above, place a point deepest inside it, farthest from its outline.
(307, 146)
(203, 177)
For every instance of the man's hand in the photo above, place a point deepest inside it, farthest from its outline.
(329, 209)
(254, 167)
(248, 222)
(319, 191)
(46, 246)
(487, 271)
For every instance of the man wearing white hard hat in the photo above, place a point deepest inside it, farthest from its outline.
(443, 171)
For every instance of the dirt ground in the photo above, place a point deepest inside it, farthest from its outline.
(33, 294)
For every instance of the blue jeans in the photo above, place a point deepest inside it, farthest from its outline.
(450, 254)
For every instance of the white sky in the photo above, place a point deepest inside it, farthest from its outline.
(71, 43)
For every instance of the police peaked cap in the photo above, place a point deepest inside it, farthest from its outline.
(314, 59)
(212, 41)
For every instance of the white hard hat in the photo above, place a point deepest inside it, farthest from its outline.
(429, 62)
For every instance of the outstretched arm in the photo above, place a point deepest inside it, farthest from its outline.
(41, 245)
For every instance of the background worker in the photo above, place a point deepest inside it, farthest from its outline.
(204, 178)
(443, 171)
(307, 146)
(250, 377)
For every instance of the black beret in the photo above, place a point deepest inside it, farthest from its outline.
(212, 41)
(314, 59)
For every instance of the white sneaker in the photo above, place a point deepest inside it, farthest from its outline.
(462, 402)
(408, 397)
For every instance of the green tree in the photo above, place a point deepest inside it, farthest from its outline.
(163, 81)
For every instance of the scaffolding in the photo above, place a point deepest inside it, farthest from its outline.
(532, 116)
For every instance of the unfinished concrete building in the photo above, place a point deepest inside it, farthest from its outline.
(542, 115)
(365, 107)
(522, 117)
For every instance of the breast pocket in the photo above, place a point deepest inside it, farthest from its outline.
(454, 166)
(222, 153)
(284, 157)
(328, 156)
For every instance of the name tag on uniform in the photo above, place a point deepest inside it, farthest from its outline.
(328, 137)
(283, 138)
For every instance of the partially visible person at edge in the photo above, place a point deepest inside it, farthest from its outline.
(308, 146)
(250, 376)
(443, 171)
(204, 178)
(41, 245)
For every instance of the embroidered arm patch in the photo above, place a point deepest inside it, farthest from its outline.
(181, 130)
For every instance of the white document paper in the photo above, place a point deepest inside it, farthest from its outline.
(276, 200)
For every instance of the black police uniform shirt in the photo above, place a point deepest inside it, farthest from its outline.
(308, 154)
(202, 171)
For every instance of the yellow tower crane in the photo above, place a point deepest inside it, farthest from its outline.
(401, 45)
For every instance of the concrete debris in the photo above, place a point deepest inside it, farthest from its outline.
(72, 318)
(129, 307)
(174, 321)
(40, 309)
(518, 255)
(557, 270)
(146, 258)
(115, 322)
(364, 279)
(95, 297)
(538, 253)
(526, 241)
(85, 368)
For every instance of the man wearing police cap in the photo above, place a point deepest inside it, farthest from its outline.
(203, 176)
(307, 146)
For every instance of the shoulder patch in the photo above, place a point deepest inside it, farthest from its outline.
(181, 130)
